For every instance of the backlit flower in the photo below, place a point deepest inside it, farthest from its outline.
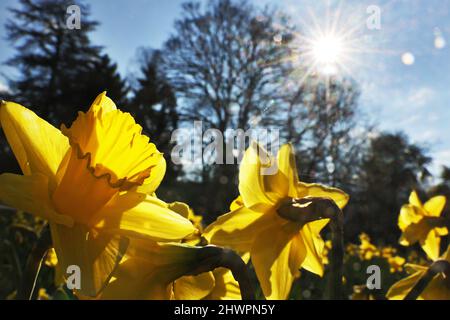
(88, 181)
(278, 247)
(417, 222)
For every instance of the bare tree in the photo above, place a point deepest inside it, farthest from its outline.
(227, 63)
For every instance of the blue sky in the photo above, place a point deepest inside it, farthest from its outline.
(413, 98)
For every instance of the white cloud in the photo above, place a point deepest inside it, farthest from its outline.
(420, 97)
(3, 87)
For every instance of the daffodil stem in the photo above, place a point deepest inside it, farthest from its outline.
(305, 210)
(337, 256)
(212, 257)
(33, 265)
(439, 266)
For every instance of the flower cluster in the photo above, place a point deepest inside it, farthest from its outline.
(95, 184)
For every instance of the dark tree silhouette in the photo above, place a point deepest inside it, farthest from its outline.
(154, 107)
(392, 167)
(60, 71)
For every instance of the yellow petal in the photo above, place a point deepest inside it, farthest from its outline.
(30, 194)
(251, 177)
(38, 146)
(97, 255)
(238, 229)
(409, 214)
(236, 204)
(226, 287)
(314, 243)
(272, 258)
(288, 166)
(400, 289)
(283, 181)
(139, 279)
(194, 287)
(150, 269)
(435, 205)
(431, 245)
(415, 200)
(297, 254)
(318, 190)
(143, 216)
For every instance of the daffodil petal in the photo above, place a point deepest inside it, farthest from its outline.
(30, 194)
(238, 229)
(409, 214)
(236, 204)
(194, 287)
(297, 254)
(139, 279)
(38, 146)
(271, 255)
(150, 269)
(400, 289)
(97, 255)
(251, 177)
(283, 180)
(318, 190)
(435, 205)
(226, 287)
(415, 200)
(314, 243)
(143, 216)
(431, 245)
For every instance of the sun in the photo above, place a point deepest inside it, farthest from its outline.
(328, 45)
(327, 50)
(326, 53)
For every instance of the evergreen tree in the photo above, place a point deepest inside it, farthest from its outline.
(392, 167)
(154, 106)
(60, 70)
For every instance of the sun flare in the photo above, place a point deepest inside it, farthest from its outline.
(327, 49)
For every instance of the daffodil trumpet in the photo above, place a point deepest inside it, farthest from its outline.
(309, 209)
(33, 265)
(438, 266)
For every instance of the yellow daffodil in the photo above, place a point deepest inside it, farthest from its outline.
(437, 289)
(278, 247)
(416, 220)
(92, 183)
(366, 249)
(395, 262)
(51, 259)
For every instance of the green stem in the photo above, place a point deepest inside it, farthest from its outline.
(439, 266)
(33, 266)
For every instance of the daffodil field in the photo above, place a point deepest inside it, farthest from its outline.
(93, 188)
(95, 204)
